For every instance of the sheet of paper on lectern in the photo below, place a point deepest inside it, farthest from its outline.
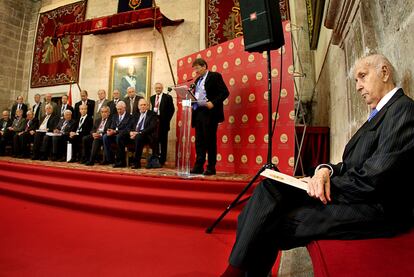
(183, 91)
(284, 178)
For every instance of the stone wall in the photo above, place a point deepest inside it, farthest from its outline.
(16, 18)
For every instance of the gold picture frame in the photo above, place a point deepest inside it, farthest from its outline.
(131, 70)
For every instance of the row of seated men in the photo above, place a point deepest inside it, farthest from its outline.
(50, 136)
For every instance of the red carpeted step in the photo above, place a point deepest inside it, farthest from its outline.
(192, 216)
(170, 182)
(101, 188)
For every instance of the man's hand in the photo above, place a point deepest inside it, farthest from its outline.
(133, 134)
(319, 186)
(110, 132)
(209, 105)
(72, 134)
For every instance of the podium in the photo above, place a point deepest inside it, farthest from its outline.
(185, 97)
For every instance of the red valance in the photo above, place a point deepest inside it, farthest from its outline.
(118, 22)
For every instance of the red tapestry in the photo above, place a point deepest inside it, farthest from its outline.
(242, 138)
(223, 20)
(56, 60)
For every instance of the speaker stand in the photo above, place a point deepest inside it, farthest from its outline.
(269, 164)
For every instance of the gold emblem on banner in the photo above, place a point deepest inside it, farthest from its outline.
(232, 82)
(237, 139)
(252, 97)
(266, 95)
(133, 4)
(208, 53)
(181, 63)
(242, 42)
(283, 138)
(259, 117)
(219, 49)
(231, 45)
(274, 116)
(183, 139)
(214, 68)
(275, 72)
(251, 58)
(231, 119)
(243, 159)
(198, 56)
(224, 139)
(288, 27)
(282, 49)
(226, 102)
(266, 138)
(218, 157)
(192, 139)
(252, 139)
(225, 65)
(292, 115)
(283, 93)
(291, 69)
(245, 118)
(180, 123)
(238, 99)
(264, 55)
(259, 76)
(189, 60)
(291, 161)
(245, 79)
(237, 62)
(230, 158)
(185, 76)
(259, 159)
(275, 160)
(193, 74)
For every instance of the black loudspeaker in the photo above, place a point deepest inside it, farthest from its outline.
(262, 26)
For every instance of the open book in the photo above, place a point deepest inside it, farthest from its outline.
(284, 178)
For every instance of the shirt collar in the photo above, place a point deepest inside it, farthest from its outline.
(384, 100)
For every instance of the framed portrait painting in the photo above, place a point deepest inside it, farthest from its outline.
(131, 70)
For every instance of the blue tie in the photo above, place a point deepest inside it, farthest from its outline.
(372, 114)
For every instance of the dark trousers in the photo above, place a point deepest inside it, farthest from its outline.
(205, 138)
(163, 143)
(278, 217)
(4, 140)
(41, 145)
(24, 141)
(119, 140)
(16, 145)
(59, 145)
(140, 141)
(76, 142)
(91, 147)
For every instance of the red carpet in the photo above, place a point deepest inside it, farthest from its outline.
(155, 225)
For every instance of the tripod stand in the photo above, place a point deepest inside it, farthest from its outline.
(269, 164)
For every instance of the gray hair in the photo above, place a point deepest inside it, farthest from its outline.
(121, 104)
(375, 60)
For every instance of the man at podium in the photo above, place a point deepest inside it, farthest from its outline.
(210, 92)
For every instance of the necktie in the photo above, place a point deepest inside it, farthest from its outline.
(157, 101)
(27, 125)
(141, 123)
(131, 103)
(102, 125)
(19, 107)
(372, 114)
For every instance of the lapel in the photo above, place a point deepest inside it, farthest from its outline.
(371, 125)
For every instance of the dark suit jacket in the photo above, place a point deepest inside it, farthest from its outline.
(68, 107)
(14, 108)
(123, 126)
(150, 125)
(128, 105)
(216, 92)
(52, 122)
(8, 124)
(38, 113)
(70, 126)
(86, 126)
(378, 161)
(96, 113)
(98, 122)
(112, 106)
(33, 125)
(166, 110)
(91, 107)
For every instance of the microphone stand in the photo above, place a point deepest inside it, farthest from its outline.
(268, 165)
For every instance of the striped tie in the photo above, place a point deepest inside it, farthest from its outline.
(372, 114)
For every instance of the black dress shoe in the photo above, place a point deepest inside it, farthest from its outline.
(43, 158)
(72, 160)
(89, 163)
(105, 163)
(118, 165)
(34, 158)
(196, 170)
(209, 172)
(136, 166)
(62, 160)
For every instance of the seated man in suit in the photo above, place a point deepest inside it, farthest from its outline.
(368, 195)
(17, 126)
(82, 128)
(5, 123)
(116, 133)
(22, 139)
(62, 130)
(143, 130)
(48, 124)
(93, 142)
(19, 105)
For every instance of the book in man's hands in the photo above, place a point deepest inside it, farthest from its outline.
(284, 178)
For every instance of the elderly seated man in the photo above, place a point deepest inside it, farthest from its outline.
(82, 128)
(143, 130)
(22, 139)
(40, 142)
(5, 123)
(17, 126)
(61, 136)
